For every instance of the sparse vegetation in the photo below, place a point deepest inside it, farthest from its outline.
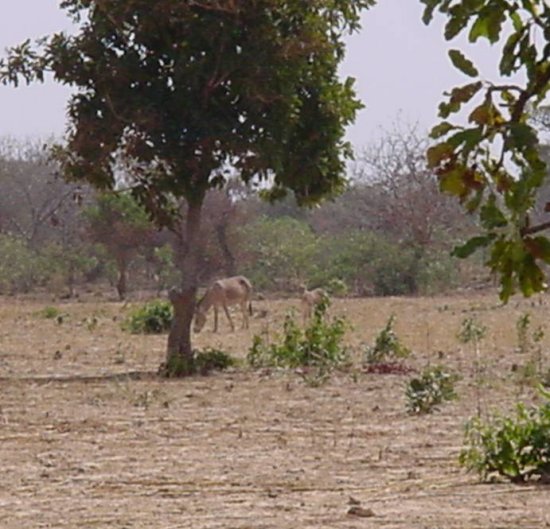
(153, 317)
(387, 346)
(49, 312)
(472, 332)
(432, 388)
(318, 348)
(530, 369)
(515, 447)
(211, 359)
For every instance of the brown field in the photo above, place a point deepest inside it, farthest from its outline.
(87, 443)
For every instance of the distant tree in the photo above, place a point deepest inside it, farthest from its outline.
(121, 225)
(401, 192)
(33, 195)
(493, 163)
(278, 253)
(184, 90)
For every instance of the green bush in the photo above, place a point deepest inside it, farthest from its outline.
(212, 359)
(387, 346)
(279, 252)
(319, 346)
(516, 448)
(434, 387)
(49, 312)
(154, 317)
(21, 269)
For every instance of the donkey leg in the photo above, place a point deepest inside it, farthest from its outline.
(244, 309)
(215, 319)
(229, 317)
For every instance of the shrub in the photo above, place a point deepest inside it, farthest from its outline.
(433, 387)
(280, 252)
(154, 317)
(212, 359)
(21, 269)
(319, 346)
(516, 448)
(531, 372)
(387, 346)
(49, 312)
(337, 287)
(202, 363)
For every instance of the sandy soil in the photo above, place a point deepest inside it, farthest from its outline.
(91, 438)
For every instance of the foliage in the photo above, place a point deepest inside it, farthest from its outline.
(142, 91)
(369, 261)
(21, 269)
(281, 252)
(493, 164)
(49, 312)
(318, 348)
(434, 387)
(529, 343)
(471, 331)
(154, 317)
(71, 262)
(212, 359)
(387, 346)
(167, 270)
(337, 287)
(514, 447)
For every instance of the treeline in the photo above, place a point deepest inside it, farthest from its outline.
(389, 233)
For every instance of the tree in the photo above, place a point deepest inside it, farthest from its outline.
(32, 195)
(493, 163)
(186, 92)
(118, 223)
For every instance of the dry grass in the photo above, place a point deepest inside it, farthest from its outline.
(90, 438)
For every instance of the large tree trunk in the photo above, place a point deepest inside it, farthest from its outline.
(179, 357)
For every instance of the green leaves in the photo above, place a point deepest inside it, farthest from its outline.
(493, 165)
(182, 89)
(516, 447)
(462, 63)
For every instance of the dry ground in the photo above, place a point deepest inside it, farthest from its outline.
(86, 443)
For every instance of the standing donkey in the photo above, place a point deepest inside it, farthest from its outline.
(224, 292)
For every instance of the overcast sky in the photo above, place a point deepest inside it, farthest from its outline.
(401, 69)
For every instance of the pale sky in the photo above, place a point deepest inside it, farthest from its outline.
(401, 69)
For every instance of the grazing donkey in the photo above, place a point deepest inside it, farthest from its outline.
(310, 299)
(222, 293)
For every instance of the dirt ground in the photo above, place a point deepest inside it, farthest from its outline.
(91, 438)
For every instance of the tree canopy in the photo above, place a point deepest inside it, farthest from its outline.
(190, 88)
(493, 164)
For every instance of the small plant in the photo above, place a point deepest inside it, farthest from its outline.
(318, 348)
(516, 448)
(529, 343)
(434, 387)
(154, 317)
(202, 363)
(212, 359)
(49, 312)
(337, 287)
(387, 346)
(522, 327)
(472, 331)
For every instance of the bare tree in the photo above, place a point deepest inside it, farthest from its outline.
(32, 195)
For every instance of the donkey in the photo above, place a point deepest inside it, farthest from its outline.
(224, 292)
(309, 300)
